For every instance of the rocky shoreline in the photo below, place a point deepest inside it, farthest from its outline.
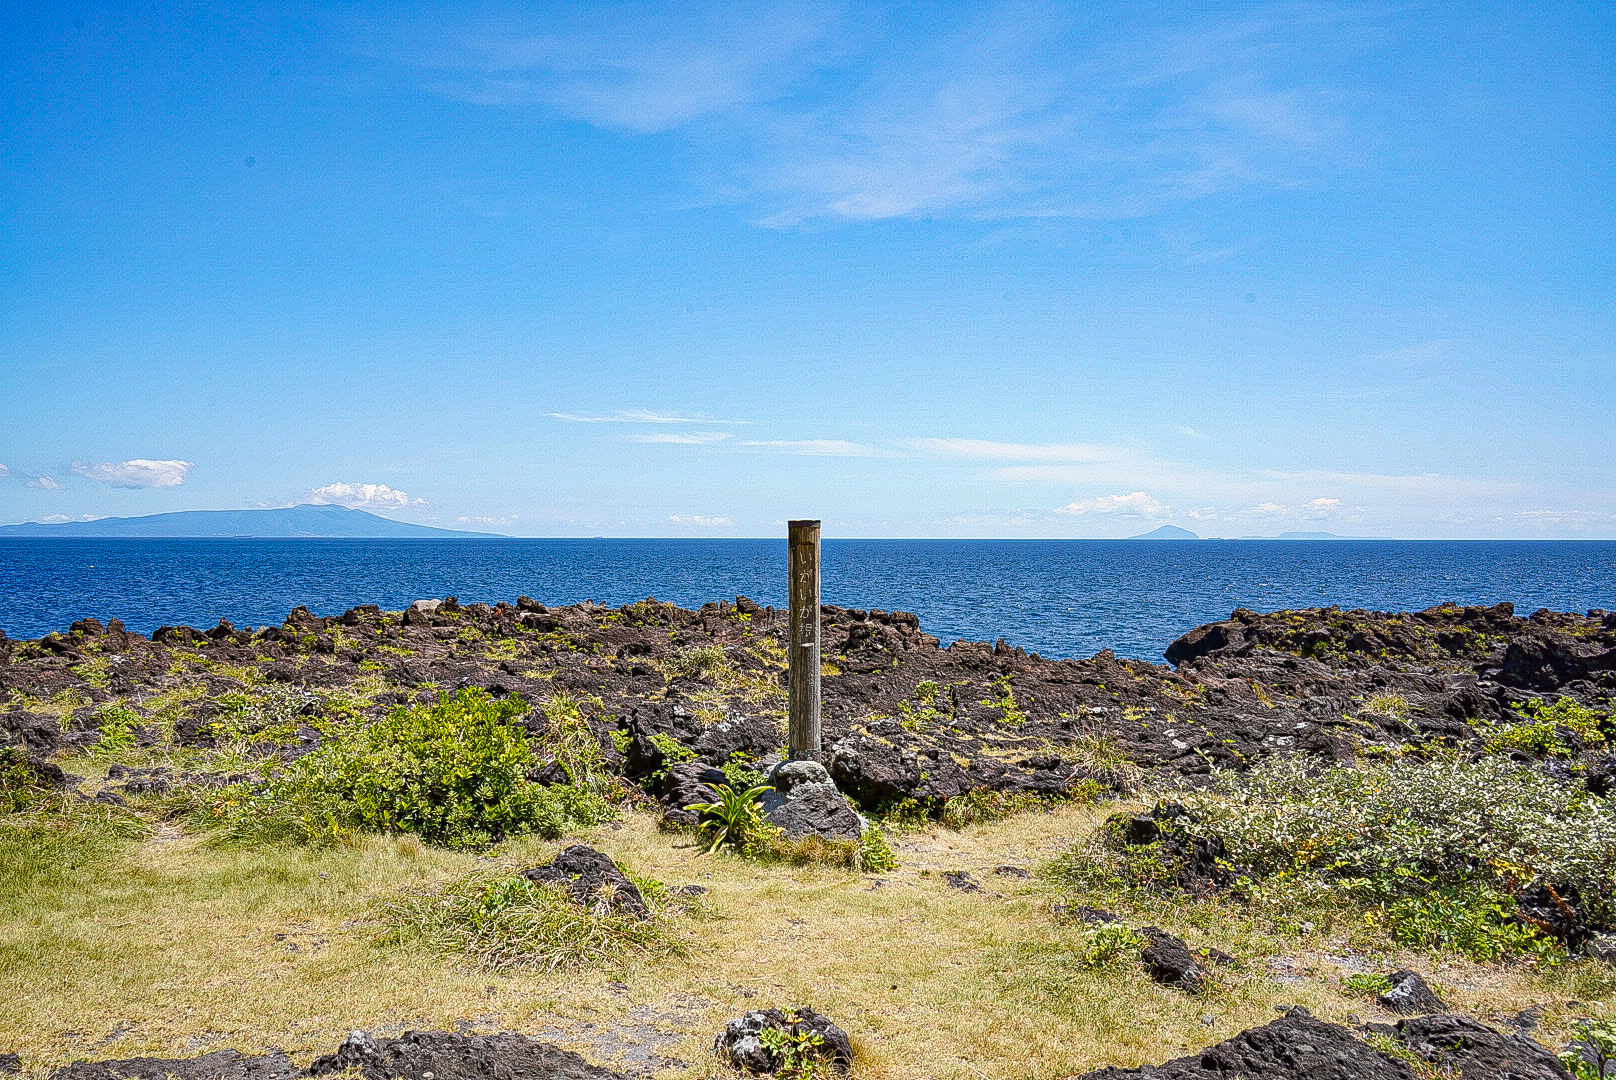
(904, 717)
(673, 696)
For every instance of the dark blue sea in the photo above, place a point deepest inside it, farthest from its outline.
(1058, 597)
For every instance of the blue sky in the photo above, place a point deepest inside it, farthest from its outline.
(918, 270)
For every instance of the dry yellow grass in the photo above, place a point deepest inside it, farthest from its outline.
(176, 948)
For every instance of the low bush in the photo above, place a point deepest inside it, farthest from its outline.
(453, 773)
(1434, 851)
(506, 921)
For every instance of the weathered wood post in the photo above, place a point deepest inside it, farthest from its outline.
(802, 637)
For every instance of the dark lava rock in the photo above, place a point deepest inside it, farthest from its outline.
(1477, 1051)
(591, 878)
(1199, 862)
(1092, 916)
(1170, 962)
(10, 1063)
(34, 733)
(1295, 1047)
(740, 1043)
(805, 802)
(219, 1065)
(687, 783)
(1555, 911)
(1410, 995)
(962, 880)
(443, 1055)
(1601, 947)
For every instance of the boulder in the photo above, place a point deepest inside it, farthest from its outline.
(1477, 1051)
(593, 880)
(805, 802)
(1601, 947)
(442, 1055)
(1410, 995)
(1295, 1047)
(219, 1065)
(1170, 962)
(741, 1044)
(684, 784)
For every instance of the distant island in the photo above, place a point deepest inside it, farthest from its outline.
(1166, 532)
(308, 521)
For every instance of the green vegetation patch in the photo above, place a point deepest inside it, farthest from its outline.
(1432, 852)
(453, 773)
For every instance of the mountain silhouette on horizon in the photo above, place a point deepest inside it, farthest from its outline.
(306, 521)
(1166, 532)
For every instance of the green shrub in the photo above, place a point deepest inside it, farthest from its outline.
(453, 773)
(1108, 946)
(1475, 921)
(1368, 983)
(21, 787)
(1595, 1040)
(1540, 733)
(1432, 850)
(507, 921)
(117, 724)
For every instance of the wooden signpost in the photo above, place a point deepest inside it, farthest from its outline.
(803, 638)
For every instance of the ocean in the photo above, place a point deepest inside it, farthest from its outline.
(1061, 598)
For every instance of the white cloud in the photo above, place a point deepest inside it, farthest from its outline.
(816, 447)
(680, 438)
(1267, 509)
(639, 416)
(698, 519)
(1191, 432)
(4, 471)
(363, 497)
(1324, 504)
(45, 482)
(54, 519)
(1133, 504)
(508, 519)
(987, 450)
(137, 472)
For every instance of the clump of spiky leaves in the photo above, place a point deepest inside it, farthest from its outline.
(453, 772)
(503, 920)
(735, 819)
(735, 822)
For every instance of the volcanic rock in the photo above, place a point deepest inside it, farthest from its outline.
(805, 802)
(741, 1044)
(1477, 1051)
(592, 879)
(1410, 995)
(1295, 1047)
(442, 1055)
(219, 1065)
(1170, 962)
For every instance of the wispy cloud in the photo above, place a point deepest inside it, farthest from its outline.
(816, 447)
(682, 438)
(1133, 504)
(699, 520)
(137, 472)
(987, 450)
(4, 471)
(363, 497)
(1021, 109)
(45, 483)
(639, 416)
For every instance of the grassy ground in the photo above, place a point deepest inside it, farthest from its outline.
(158, 944)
